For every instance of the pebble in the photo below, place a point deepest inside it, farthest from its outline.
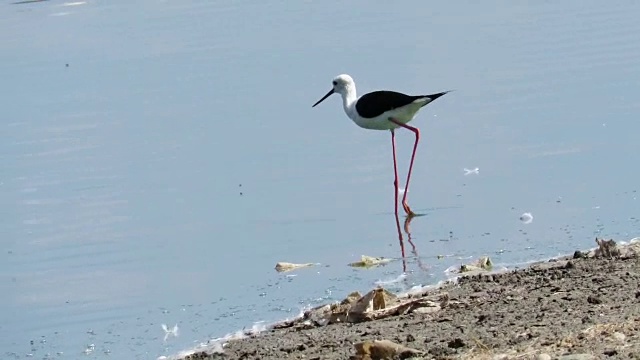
(619, 336)
(505, 356)
(426, 310)
(543, 357)
(577, 357)
(594, 300)
(456, 343)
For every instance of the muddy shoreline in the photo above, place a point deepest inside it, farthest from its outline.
(584, 306)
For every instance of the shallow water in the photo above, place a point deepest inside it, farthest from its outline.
(160, 176)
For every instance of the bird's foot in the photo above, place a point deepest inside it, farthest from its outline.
(407, 209)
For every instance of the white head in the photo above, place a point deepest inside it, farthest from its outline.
(342, 84)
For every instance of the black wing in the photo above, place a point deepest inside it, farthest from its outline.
(375, 103)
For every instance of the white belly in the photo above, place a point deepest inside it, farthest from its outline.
(402, 115)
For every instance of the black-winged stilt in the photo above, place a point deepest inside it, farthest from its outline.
(383, 110)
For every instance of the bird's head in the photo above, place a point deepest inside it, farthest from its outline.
(341, 84)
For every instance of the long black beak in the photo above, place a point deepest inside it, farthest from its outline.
(324, 97)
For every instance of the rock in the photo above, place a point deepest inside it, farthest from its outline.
(198, 356)
(440, 351)
(577, 357)
(482, 318)
(543, 357)
(594, 300)
(382, 349)
(411, 338)
(500, 357)
(426, 309)
(607, 249)
(456, 343)
(618, 336)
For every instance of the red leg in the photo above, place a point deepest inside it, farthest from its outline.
(395, 170)
(416, 131)
(395, 199)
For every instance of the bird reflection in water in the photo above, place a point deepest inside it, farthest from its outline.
(414, 251)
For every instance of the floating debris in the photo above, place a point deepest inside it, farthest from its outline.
(526, 218)
(370, 261)
(28, 1)
(167, 332)
(89, 349)
(286, 266)
(471, 171)
(482, 264)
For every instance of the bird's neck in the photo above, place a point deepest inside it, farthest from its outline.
(349, 99)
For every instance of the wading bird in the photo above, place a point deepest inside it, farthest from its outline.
(383, 110)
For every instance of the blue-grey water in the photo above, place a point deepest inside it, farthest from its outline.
(158, 158)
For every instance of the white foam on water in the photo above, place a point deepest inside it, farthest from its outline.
(393, 281)
(216, 345)
(420, 289)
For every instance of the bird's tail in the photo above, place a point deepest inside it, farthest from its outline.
(432, 97)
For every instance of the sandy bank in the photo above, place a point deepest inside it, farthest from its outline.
(584, 306)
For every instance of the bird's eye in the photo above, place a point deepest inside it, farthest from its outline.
(335, 83)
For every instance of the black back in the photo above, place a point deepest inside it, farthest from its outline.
(375, 103)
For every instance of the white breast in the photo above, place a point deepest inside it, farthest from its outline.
(403, 115)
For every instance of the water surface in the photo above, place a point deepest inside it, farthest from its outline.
(159, 158)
